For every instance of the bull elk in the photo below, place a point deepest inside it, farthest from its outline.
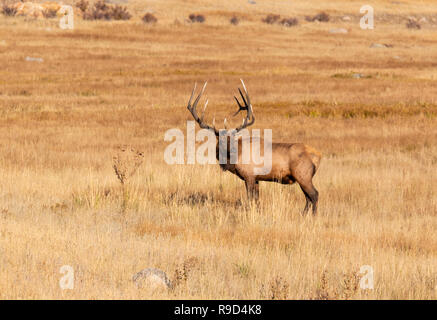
(291, 162)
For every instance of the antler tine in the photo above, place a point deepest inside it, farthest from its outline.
(249, 119)
(192, 109)
(192, 94)
(200, 95)
(249, 105)
(244, 100)
(244, 86)
(203, 111)
(240, 107)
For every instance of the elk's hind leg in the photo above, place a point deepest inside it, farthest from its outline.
(311, 196)
(307, 204)
(303, 174)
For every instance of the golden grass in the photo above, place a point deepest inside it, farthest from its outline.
(107, 84)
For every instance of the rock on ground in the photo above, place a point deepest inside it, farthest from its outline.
(380, 45)
(339, 30)
(152, 278)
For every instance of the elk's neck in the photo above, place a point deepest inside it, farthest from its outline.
(223, 148)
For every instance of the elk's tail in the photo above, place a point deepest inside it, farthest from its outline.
(315, 156)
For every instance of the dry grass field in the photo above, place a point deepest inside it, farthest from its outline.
(106, 84)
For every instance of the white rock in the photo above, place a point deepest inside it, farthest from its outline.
(152, 278)
(347, 18)
(380, 45)
(34, 59)
(338, 30)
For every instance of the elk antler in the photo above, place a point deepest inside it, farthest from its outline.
(248, 121)
(250, 118)
(193, 110)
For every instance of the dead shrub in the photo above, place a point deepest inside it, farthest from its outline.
(277, 289)
(271, 18)
(126, 162)
(413, 24)
(323, 291)
(49, 13)
(82, 5)
(192, 199)
(234, 20)
(102, 11)
(289, 22)
(320, 17)
(348, 286)
(183, 271)
(120, 13)
(9, 10)
(276, 18)
(99, 11)
(149, 18)
(196, 18)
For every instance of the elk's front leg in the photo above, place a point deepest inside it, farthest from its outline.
(256, 191)
(252, 188)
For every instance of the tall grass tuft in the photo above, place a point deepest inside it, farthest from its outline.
(9, 10)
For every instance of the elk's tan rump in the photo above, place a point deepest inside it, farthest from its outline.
(315, 155)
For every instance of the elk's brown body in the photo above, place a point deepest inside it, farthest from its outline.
(291, 162)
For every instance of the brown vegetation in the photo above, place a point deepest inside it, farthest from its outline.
(9, 10)
(199, 18)
(49, 13)
(413, 24)
(276, 18)
(149, 18)
(103, 11)
(82, 5)
(234, 20)
(320, 17)
(289, 22)
(271, 18)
